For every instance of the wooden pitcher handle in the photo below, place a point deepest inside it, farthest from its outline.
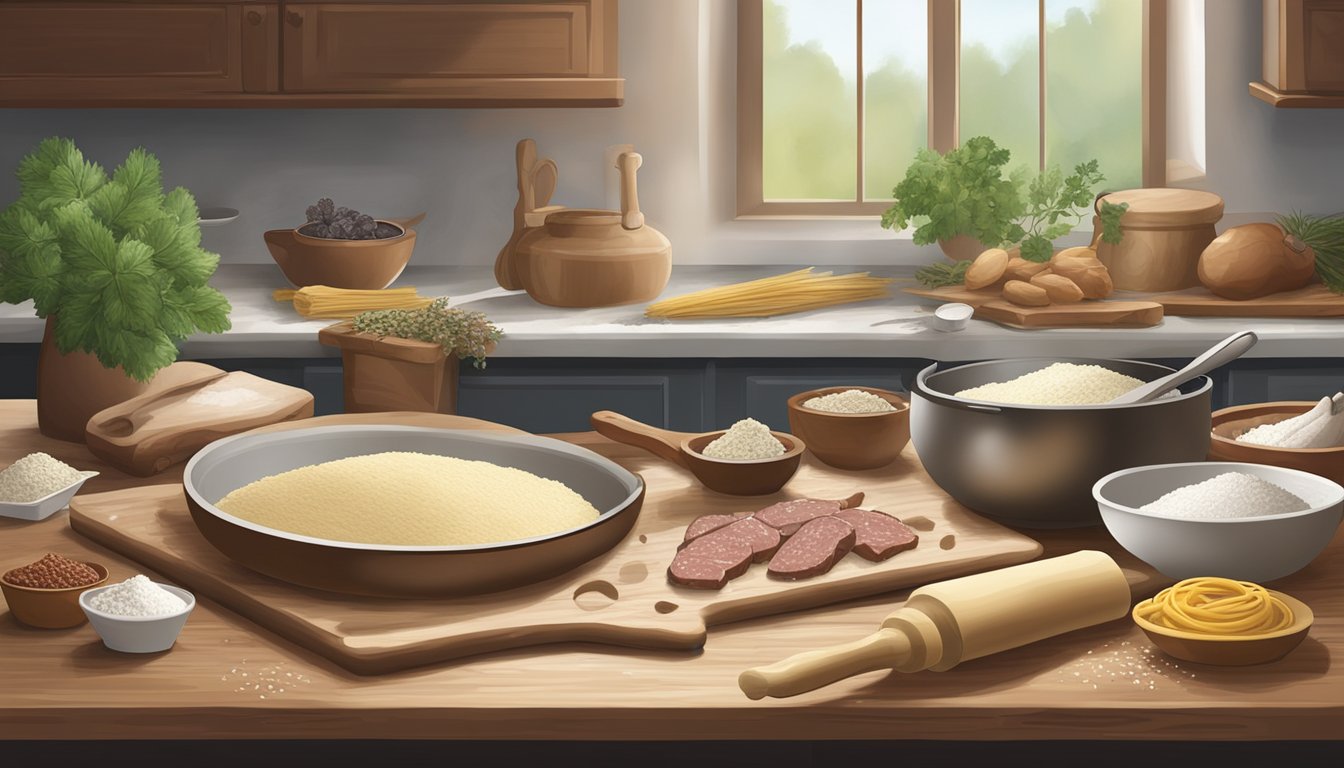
(663, 443)
(627, 164)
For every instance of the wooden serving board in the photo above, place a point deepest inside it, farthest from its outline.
(1313, 301)
(188, 406)
(990, 305)
(621, 598)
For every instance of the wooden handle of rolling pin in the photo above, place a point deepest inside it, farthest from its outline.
(808, 671)
(627, 164)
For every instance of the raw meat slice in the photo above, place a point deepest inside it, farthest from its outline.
(710, 562)
(763, 540)
(877, 534)
(814, 549)
(788, 516)
(706, 523)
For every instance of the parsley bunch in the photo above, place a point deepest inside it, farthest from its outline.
(962, 192)
(1055, 204)
(118, 261)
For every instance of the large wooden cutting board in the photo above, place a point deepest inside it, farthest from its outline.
(990, 305)
(1313, 301)
(621, 598)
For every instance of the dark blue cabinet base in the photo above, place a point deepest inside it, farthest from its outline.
(685, 394)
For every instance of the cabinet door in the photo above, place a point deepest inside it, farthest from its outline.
(498, 51)
(136, 51)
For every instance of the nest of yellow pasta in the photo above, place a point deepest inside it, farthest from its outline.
(1215, 606)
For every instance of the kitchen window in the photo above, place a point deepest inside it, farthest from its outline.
(1058, 82)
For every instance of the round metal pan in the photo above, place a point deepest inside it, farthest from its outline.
(407, 571)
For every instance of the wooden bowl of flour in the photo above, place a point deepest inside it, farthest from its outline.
(1231, 423)
(852, 440)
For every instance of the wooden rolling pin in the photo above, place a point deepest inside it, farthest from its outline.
(944, 624)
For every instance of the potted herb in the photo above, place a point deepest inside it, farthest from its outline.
(966, 203)
(115, 266)
(407, 359)
(1055, 204)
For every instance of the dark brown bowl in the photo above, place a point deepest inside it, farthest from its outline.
(1231, 423)
(407, 571)
(353, 264)
(49, 608)
(852, 440)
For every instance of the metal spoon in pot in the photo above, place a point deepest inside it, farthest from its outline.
(1220, 354)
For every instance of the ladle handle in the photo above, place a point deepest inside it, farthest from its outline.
(663, 443)
(627, 164)
(1220, 354)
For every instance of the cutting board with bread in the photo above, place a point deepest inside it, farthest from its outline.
(623, 597)
(188, 406)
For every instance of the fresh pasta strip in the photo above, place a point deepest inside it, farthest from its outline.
(1215, 606)
(341, 303)
(781, 294)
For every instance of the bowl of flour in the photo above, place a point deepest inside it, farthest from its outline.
(1250, 522)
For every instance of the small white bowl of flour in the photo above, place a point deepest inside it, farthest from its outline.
(1251, 522)
(38, 486)
(138, 615)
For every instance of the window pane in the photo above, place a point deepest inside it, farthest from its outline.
(1000, 70)
(1094, 87)
(895, 90)
(809, 100)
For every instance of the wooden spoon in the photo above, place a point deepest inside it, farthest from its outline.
(750, 477)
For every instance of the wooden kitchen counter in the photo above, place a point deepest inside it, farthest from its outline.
(228, 679)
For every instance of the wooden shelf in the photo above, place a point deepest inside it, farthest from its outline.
(1278, 98)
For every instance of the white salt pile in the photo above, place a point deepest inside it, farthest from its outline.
(1057, 384)
(849, 401)
(1229, 495)
(36, 476)
(747, 439)
(137, 597)
(1319, 427)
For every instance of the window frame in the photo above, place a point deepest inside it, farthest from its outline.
(944, 22)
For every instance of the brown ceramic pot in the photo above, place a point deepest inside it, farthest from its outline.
(595, 258)
(72, 388)
(390, 374)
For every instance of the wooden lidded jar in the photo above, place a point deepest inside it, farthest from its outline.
(1165, 231)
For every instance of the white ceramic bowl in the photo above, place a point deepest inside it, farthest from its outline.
(1257, 549)
(131, 634)
(47, 505)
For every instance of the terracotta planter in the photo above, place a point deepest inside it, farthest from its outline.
(387, 374)
(962, 247)
(72, 388)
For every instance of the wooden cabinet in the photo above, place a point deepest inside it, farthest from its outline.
(1303, 54)
(133, 53)
(339, 53)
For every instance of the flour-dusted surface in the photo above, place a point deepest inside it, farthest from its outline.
(1229, 495)
(137, 597)
(410, 499)
(747, 439)
(1057, 384)
(35, 476)
(849, 401)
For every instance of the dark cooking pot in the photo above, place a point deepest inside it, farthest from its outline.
(1033, 466)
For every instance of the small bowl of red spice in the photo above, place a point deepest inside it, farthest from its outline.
(45, 593)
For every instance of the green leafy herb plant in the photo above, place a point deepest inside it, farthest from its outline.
(963, 192)
(1055, 204)
(466, 334)
(1325, 235)
(114, 258)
